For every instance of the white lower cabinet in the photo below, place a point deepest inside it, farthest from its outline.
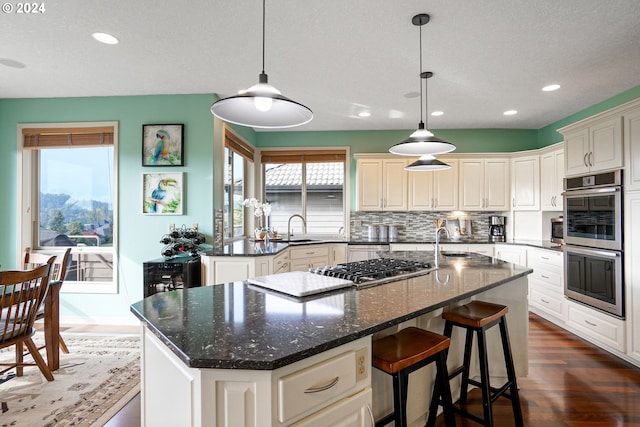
(353, 411)
(632, 271)
(511, 253)
(332, 388)
(546, 284)
(596, 326)
(308, 256)
(281, 262)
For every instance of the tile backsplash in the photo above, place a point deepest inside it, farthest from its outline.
(419, 226)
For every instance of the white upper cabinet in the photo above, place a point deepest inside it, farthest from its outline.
(381, 184)
(592, 146)
(434, 190)
(525, 183)
(632, 147)
(484, 184)
(551, 180)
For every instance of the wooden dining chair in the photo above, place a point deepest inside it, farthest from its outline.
(21, 295)
(58, 273)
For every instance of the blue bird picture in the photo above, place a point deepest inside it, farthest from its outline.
(162, 145)
(162, 193)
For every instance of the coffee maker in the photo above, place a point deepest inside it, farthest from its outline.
(497, 231)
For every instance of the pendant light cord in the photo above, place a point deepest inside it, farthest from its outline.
(263, 33)
(420, 74)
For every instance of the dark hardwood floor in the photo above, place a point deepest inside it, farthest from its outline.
(571, 383)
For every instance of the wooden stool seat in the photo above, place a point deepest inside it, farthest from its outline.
(404, 352)
(477, 317)
(476, 314)
(405, 348)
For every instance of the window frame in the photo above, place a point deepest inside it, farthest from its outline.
(311, 155)
(28, 201)
(237, 145)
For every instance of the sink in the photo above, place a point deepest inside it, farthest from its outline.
(457, 254)
(290, 241)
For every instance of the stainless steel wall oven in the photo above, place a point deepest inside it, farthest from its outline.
(593, 255)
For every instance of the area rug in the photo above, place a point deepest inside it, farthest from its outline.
(98, 377)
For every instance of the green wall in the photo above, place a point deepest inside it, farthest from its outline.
(548, 135)
(139, 234)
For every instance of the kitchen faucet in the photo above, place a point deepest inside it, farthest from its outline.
(304, 225)
(437, 245)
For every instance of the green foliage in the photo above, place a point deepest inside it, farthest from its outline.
(172, 206)
(56, 222)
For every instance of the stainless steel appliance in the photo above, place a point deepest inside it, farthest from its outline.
(594, 277)
(557, 230)
(593, 255)
(497, 231)
(375, 271)
(593, 210)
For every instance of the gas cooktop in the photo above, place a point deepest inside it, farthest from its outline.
(375, 271)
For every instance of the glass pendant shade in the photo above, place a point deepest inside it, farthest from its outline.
(427, 163)
(262, 106)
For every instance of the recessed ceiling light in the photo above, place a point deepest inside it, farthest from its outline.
(364, 114)
(551, 88)
(11, 63)
(105, 38)
(437, 113)
(510, 112)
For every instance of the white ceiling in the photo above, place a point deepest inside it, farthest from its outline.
(337, 56)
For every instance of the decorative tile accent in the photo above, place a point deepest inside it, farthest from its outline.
(417, 226)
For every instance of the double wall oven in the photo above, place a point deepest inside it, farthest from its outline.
(593, 255)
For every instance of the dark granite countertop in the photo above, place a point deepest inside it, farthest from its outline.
(250, 247)
(239, 326)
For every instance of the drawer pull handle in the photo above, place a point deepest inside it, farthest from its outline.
(545, 258)
(373, 420)
(309, 253)
(544, 277)
(323, 387)
(544, 300)
(590, 323)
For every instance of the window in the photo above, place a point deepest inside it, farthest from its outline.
(309, 183)
(237, 154)
(68, 187)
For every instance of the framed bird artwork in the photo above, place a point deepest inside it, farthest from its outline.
(162, 193)
(163, 145)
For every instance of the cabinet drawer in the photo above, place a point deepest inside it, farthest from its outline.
(315, 386)
(547, 260)
(306, 264)
(309, 252)
(281, 262)
(553, 279)
(547, 301)
(350, 411)
(598, 326)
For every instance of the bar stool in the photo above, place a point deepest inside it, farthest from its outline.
(479, 316)
(402, 353)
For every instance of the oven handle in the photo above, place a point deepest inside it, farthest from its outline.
(608, 254)
(591, 191)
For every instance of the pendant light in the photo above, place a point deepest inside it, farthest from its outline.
(262, 105)
(422, 141)
(427, 162)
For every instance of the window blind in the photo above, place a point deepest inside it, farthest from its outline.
(37, 138)
(303, 156)
(236, 144)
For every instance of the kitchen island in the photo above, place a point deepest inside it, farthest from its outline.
(236, 354)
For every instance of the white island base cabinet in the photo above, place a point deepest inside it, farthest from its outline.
(294, 395)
